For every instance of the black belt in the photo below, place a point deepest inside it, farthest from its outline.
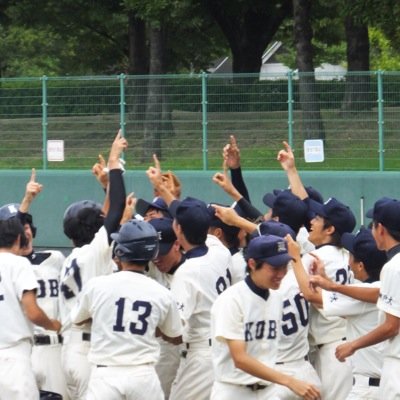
(256, 386)
(371, 381)
(86, 337)
(320, 345)
(188, 344)
(285, 362)
(101, 366)
(374, 381)
(39, 340)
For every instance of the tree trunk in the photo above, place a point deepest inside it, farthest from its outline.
(136, 91)
(154, 108)
(358, 87)
(248, 30)
(313, 127)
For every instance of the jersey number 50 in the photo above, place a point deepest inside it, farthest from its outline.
(143, 309)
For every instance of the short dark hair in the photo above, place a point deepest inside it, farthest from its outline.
(394, 233)
(10, 229)
(259, 264)
(336, 236)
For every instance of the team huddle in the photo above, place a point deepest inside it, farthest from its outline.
(179, 299)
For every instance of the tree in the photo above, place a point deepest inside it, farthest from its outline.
(312, 122)
(249, 26)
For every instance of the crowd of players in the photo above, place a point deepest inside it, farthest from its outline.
(178, 299)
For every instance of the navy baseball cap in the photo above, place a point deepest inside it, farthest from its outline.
(273, 227)
(270, 249)
(363, 246)
(192, 215)
(218, 223)
(269, 198)
(314, 194)
(142, 206)
(290, 209)
(338, 214)
(387, 212)
(166, 234)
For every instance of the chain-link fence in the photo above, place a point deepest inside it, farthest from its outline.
(187, 119)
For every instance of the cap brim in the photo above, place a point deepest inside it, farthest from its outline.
(269, 199)
(142, 206)
(278, 260)
(370, 213)
(315, 207)
(164, 248)
(114, 236)
(347, 240)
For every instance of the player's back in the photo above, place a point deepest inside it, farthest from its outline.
(47, 267)
(82, 264)
(127, 307)
(195, 286)
(16, 276)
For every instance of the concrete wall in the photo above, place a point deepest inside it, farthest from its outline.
(357, 189)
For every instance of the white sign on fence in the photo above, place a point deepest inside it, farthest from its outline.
(314, 150)
(55, 150)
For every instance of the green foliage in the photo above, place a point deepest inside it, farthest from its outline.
(383, 55)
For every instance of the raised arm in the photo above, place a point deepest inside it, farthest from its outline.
(32, 189)
(231, 155)
(100, 171)
(286, 159)
(312, 295)
(160, 184)
(230, 217)
(223, 181)
(117, 192)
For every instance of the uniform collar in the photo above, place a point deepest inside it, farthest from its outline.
(198, 251)
(393, 251)
(263, 293)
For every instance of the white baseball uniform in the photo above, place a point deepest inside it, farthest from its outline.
(196, 284)
(46, 352)
(389, 302)
(238, 267)
(170, 354)
(83, 264)
(292, 358)
(245, 313)
(326, 333)
(17, 381)
(126, 308)
(361, 318)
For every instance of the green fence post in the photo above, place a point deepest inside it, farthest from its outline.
(290, 108)
(44, 121)
(380, 120)
(204, 121)
(122, 103)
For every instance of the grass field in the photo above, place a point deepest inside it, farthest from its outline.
(352, 140)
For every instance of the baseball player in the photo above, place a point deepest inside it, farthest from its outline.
(293, 348)
(127, 308)
(366, 262)
(89, 230)
(18, 308)
(196, 284)
(329, 222)
(386, 232)
(46, 352)
(162, 269)
(246, 321)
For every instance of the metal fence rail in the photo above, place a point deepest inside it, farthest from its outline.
(187, 119)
